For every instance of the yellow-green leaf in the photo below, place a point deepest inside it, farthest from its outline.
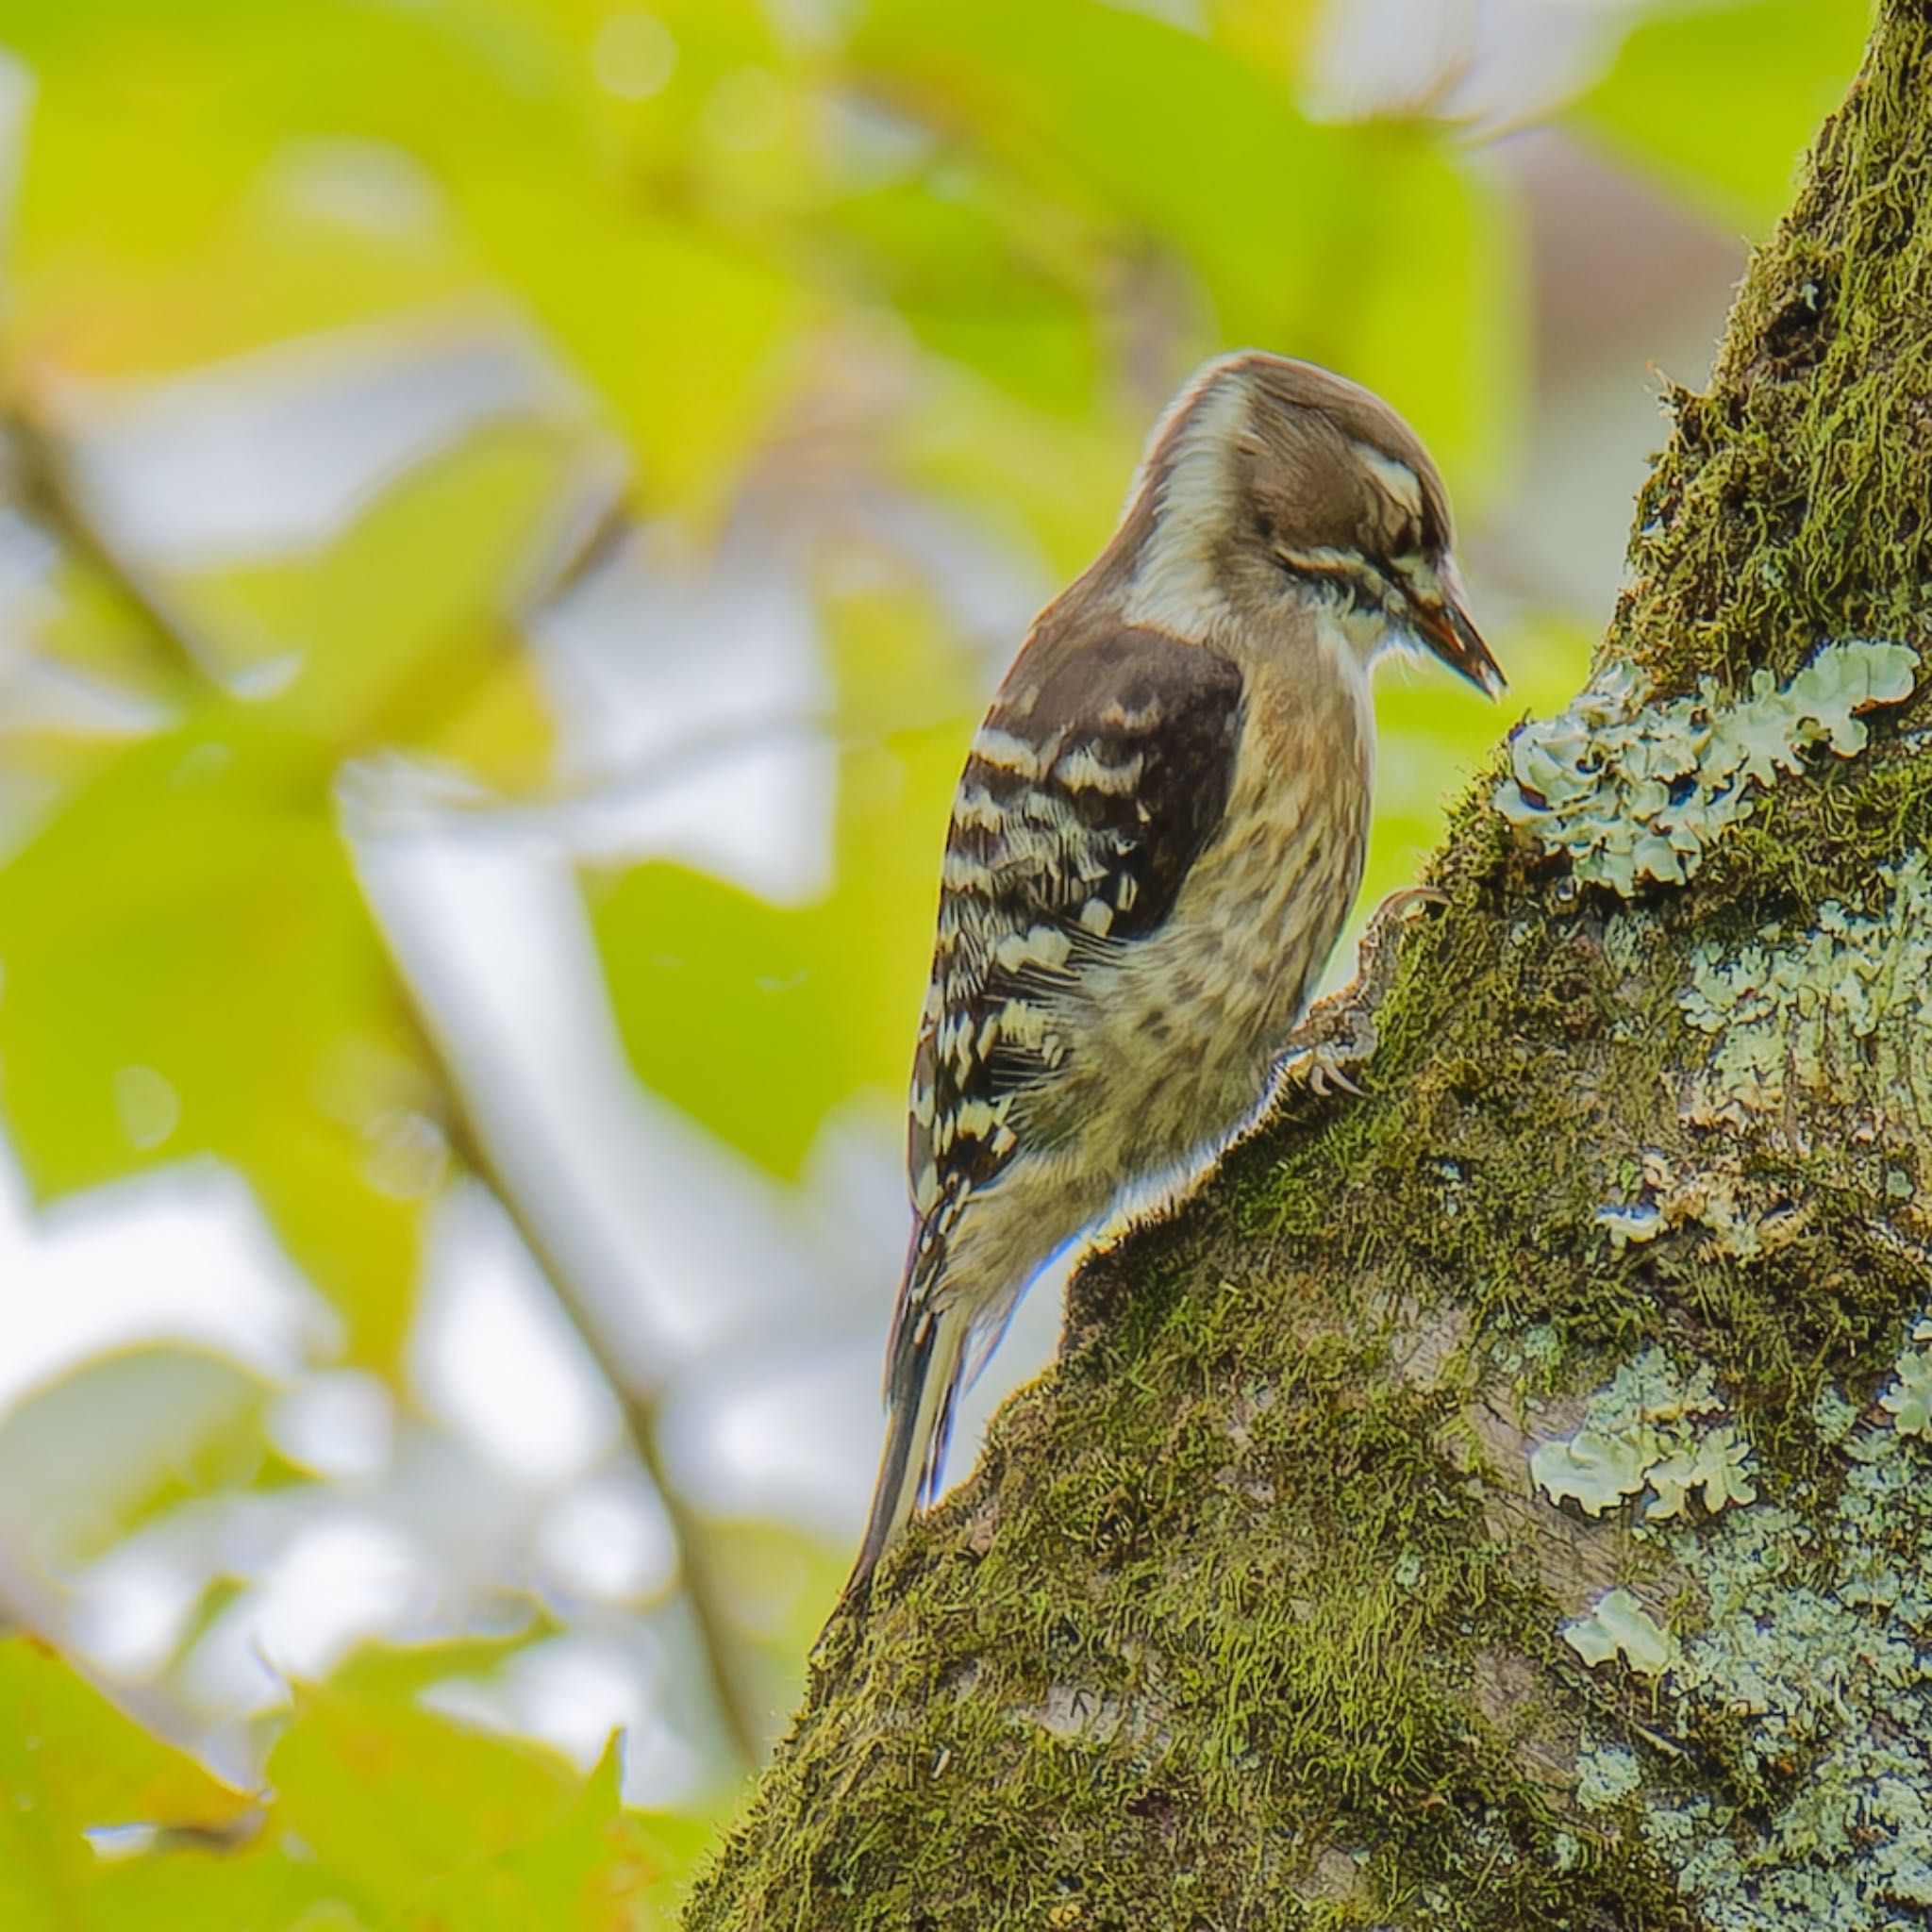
(190, 968)
(595, 1868)
(756, 1019)
(1721, 100)
(86, 1459)
(411, 608)
(71, 1762)
(393, 1798)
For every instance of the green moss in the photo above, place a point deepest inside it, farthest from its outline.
(1243, 1700)
(1789, 503)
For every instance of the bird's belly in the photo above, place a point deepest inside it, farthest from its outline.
(1172, 1045)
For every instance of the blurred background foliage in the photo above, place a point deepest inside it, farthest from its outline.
(508, 511)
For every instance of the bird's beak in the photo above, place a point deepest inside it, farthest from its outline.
(1443, 622)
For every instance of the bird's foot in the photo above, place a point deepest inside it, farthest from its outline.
(1327, 1049)
(1337, 1036)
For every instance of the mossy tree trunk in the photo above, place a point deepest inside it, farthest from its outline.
(1505, 1500)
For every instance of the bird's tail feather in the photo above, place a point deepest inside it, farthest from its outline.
(923, 1377)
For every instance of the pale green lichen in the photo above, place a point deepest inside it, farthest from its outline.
(1618, 1623)
(1844, 1007)
(1648, 1434)
(1829, 1691)
(1813, 1666)
(1909, 1400)
(1835, 1417)
(1606, 1774)
(1630, 789)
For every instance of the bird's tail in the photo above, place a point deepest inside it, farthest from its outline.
(923, 1375)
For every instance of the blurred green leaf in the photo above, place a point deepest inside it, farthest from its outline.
(499, 729)
(954, 258)
(446, 1826)
(281, 256)
(152, 128)
(1274, 35)
(190, 968)
(264, 1885)
(392, 1798)
(595, 1868)
(90, 624)
(1368, 248)
(678, 329)
(1045, 487)
(164, 220)
(1091, 104)
(404, 1671)
(71, 1762)
(414, 603)
(1439, 324)
(247, 617)
(779, 1586)
(91, 1456)
(757, 1020)
(402, 632)
(382, 1815)
(1722, 99)
(696, 966)
(518, 1839)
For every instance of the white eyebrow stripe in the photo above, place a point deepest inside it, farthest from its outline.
(1424, 579)
(1398, 479)
(1324, 561)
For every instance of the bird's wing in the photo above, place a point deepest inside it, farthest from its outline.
(1099, 775)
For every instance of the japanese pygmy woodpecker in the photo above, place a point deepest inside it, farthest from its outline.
(1156, 840)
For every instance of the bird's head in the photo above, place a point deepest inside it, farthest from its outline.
(1267, 468)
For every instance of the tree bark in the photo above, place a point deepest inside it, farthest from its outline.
(1504, 1499)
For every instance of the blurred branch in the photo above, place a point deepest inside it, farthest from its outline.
(641, 1405)
(666, 765)
(597, 544)
(46, 481)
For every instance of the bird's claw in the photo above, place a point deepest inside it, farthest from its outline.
(1337, 1035)
(1400, 902)
(1324, 1074)
(1324, 1066)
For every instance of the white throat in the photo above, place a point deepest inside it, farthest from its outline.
(1365, 634)
(1351, 641)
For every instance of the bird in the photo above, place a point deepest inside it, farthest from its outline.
(1156, 841)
